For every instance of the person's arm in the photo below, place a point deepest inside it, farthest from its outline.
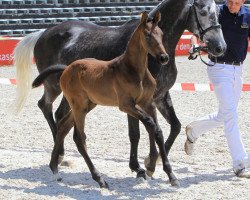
(193, 40)
(193, 53)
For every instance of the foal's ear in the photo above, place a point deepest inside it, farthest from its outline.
(144, 17)
(157, 17)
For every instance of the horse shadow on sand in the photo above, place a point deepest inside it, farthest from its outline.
(192, 178)
(79, 185)
(44, 185)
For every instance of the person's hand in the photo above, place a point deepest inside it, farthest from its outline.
(193, 52)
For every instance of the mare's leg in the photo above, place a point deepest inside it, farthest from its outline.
(45, 104)
(158, 137)
(134, 137)
(63, 129)
(165, 106)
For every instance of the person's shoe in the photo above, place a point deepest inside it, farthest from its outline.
(246, 161)
(241, 170)
(242, 173)
(189, 144)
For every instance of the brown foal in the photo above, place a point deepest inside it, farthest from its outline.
(124, 82)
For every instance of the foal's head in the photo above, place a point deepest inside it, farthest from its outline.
(152, 37)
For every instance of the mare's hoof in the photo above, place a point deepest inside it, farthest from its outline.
(175, 183)
(70, 164)
(142, 174)
(146, 161)
(158, 161)
(149, 173)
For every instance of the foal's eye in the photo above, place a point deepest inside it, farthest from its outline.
(147, 35)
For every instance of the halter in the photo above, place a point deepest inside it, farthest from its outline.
(199, 49)
(202, 32)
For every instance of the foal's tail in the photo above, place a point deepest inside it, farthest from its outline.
(45, 73)
(23, 55)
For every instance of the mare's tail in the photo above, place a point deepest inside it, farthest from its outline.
(23, 55)
(45, 73)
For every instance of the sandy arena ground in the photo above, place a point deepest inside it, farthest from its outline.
(26, 144)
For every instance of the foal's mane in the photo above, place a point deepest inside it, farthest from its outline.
(132, 35)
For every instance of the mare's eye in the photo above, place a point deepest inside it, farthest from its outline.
(203, 13)
(212, 16)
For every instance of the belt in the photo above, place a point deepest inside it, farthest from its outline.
(229, 63)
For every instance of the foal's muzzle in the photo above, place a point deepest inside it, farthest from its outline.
(163, 59)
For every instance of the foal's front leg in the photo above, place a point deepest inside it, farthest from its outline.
(158, 137)
(152, 128)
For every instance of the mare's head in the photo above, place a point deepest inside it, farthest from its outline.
(153, 35)
(203, 22)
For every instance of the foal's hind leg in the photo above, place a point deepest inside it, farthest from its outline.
(134, 136)
(79, 112)
(61, 111)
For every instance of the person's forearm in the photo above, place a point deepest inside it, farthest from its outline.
(193, 40)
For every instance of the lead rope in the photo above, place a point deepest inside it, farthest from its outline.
(199, 49)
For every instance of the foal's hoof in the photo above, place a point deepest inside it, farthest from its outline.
(149, 173)
(104, 184)
(70, 164)
(175, 183)
(57, 177)
(65, 163)
(147, 161)
(60, 159)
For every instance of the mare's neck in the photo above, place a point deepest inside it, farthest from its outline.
(136, 55)
(173, 22)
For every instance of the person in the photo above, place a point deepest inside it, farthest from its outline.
(226, 77)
